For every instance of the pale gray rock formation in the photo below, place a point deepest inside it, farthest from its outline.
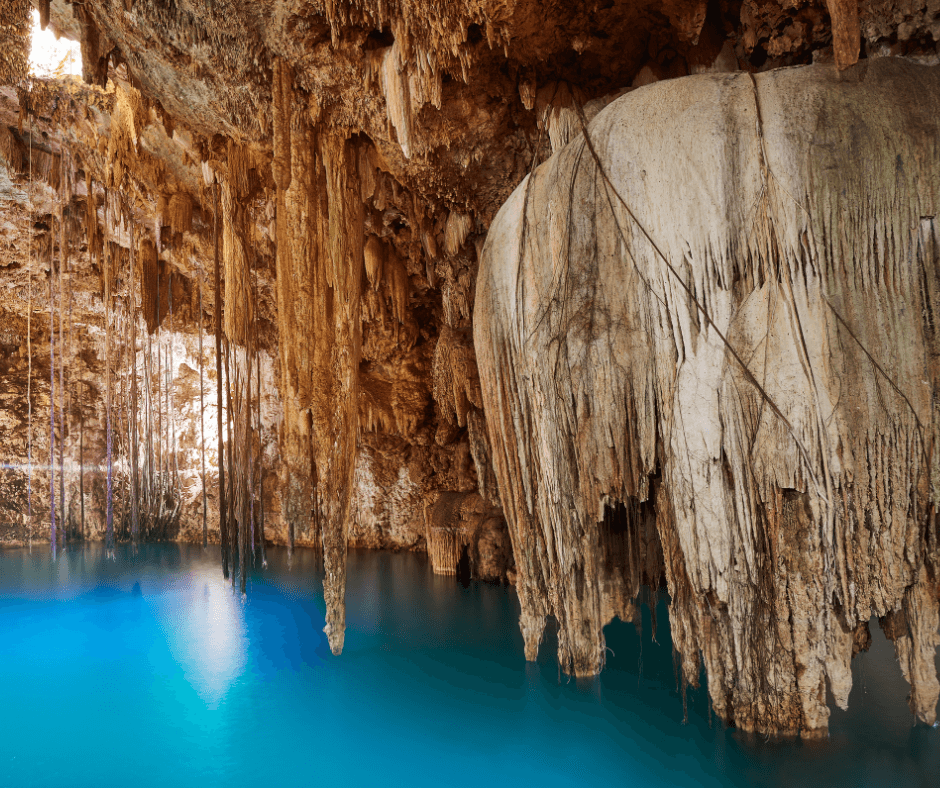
(722, 344)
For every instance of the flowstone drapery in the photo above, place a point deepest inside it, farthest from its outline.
(721, 344)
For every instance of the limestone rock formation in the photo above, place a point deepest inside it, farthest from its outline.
(242, 254)
(725, 324)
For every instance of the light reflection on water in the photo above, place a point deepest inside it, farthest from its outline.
(205, 630)
(151, 671)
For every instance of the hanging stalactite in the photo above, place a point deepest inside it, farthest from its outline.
(161, 421)
(223, 516)
(170, 376)
(234, 543)
(70, 383)
(109, 537)
(260, 493)
(249, 438)
(81, 469)
(63, 256)
(147, 491)
(29, 352)
(52, 524)
(133, 417)
(245, 524)
(202, 422)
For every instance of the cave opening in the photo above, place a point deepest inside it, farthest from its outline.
(378, 39)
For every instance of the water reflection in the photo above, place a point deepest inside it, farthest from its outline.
(204, 625)
(149, 670)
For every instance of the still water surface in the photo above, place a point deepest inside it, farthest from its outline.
(150, 671)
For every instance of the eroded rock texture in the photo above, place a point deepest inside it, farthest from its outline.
(726, 325)
(260, 227)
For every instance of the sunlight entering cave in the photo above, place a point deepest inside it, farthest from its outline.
(53, 56)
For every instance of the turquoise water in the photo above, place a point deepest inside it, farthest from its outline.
(149, 671)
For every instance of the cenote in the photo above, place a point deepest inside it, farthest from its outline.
(150, 670)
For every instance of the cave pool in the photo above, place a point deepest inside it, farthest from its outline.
(150, 671)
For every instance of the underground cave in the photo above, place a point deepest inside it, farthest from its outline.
(532, 390)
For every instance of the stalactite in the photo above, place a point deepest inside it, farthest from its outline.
(149, 284)
(14, 41)
(239, 319)
(238, 415)
(29, 351)
(319, 211)
(133, 420)
(299, 221)
(223, 515)
(246, 470)
(70, 383)
(444, 549)
(170, 382)
(202, 421)
(180, 210)
(52, 525)
(161, 412)
(122, 407)
(43, 7)
(250, 474)
(615, 305)
(63, 257)
(149, 487)
(396, 87)
(336, 414)
(281, 92)
(234, 544)
(81, 469)
(264, 559)
(235, 260)
(109, 537)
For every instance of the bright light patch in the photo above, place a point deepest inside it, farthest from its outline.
(207, 634)
(50, 57)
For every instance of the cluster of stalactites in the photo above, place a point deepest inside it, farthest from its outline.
(15, 41)
(426, 43)
(782, 442)
(319, 270)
